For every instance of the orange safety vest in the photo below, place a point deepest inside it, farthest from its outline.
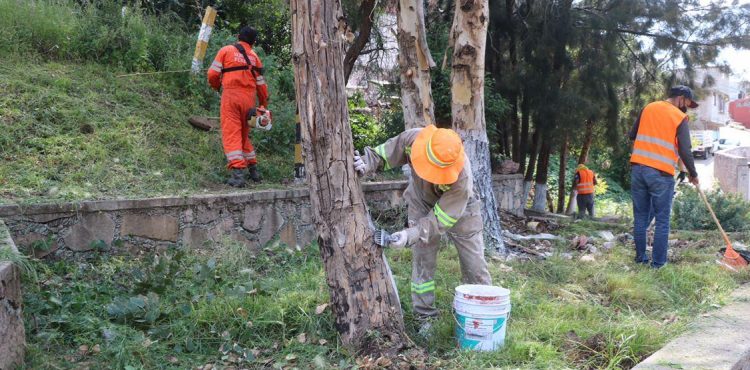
(585, 181)
(655, 142)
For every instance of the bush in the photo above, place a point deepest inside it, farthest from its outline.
(691, 214)
(366, 130)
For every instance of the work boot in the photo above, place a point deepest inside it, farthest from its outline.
(252, 173)
(237, 178)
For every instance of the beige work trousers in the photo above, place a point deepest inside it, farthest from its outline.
(466, 235)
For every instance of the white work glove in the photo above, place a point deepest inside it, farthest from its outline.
(404, 238)
(359, 165)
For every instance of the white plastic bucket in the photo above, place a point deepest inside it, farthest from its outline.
(481, 313)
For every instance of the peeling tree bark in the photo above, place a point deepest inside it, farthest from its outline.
(468, 38)
(415, 62)
(363, 297)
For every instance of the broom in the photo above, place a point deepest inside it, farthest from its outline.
(731, 260)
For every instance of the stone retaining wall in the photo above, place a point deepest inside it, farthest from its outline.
(732, 171)
(253, 218)
(12, 335)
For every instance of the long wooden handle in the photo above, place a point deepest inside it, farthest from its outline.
(708, 205)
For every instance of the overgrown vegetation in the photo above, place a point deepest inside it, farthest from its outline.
(269, 309)
(690, 213)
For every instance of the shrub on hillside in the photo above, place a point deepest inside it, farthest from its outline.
(690, 213)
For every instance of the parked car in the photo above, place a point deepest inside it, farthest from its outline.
(727, 143)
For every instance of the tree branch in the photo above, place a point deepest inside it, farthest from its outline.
(365, 29)
(718, 42)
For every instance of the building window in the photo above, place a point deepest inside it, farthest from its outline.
(722, 104)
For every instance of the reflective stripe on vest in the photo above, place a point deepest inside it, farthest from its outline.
(655, 141)
(585, 182)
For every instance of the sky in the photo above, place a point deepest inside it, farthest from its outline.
(738, 60)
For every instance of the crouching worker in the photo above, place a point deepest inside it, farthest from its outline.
(440, 200)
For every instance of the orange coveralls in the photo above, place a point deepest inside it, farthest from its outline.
(238, 97)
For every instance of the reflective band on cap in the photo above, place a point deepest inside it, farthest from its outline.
(426, 287)
(432, 158)
(443, 217)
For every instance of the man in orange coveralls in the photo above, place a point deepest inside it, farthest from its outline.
(239, 72)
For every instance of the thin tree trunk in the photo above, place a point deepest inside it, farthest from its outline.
(468, 38)
(540, 182)
(365, 29)
(363, 297)
(561, 174)
(523, 147)
(513, 96)
(582, 159)
(527, 180)
(588, 139)
(414, 61)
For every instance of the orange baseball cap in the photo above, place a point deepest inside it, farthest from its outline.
(437, 155)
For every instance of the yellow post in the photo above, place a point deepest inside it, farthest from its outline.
(299, 165)
(202, 44)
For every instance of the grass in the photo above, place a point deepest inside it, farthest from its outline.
(75, 131)
(228, 306)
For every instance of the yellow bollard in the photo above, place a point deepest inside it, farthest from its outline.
(202, 44)
(299, 165)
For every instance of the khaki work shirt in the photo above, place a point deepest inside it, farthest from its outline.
(448, 202)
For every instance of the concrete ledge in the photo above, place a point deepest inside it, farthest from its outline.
(252, 217)
(12, 334)
(721, 341)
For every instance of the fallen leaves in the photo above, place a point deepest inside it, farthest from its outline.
(321, 308)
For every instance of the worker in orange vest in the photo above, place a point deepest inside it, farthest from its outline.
(238, 71)
(661, 135)
(583, 183)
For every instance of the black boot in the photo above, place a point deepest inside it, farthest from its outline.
(252, 173)
(237, 179)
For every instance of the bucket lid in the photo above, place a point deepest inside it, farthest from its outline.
(478, 292)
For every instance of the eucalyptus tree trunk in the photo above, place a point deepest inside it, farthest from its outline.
(415, 61)
(561, 175)
(468, 39)
(540, 182)
(363, 297)
(529, 177)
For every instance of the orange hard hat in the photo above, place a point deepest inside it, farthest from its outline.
(437, 155)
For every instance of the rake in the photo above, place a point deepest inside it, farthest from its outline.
(731, 260)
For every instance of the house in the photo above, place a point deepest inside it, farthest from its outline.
(715, 90)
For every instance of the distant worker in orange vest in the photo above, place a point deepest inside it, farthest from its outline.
(660, 135)
(238, 71)
(583, 183)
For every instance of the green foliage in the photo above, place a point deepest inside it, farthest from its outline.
(366, 130)
(141, 310)
(227, 305)
(690, 213)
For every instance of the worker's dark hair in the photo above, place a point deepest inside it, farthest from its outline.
(248, 35)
